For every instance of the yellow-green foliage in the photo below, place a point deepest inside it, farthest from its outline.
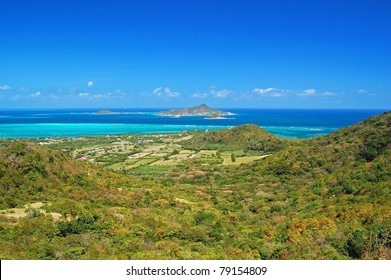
(323, 198)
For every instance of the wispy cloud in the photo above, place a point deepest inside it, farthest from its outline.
(24, 89)
(273, 92)
(165, 92)
(213, 92)
(37, 94)
(109, 96)
(199, 95)
(328, 93)
(170, 93)
(276, 92)
(363, 91)
(5, 87)
(220, 93)
(308, 92)
(120, 94)
(54, 96)
(157, 91)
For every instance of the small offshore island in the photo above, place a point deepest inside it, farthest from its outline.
(201, 110)
(108, 112)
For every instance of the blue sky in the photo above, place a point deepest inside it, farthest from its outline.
(263, 54)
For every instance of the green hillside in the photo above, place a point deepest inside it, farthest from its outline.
(322, 198)
(342, 179)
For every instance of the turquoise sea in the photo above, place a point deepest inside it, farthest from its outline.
(288, 123)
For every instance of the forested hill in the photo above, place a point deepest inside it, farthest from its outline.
(342, 180)
(30, 172)
(367, 139)
(352, 146)
(248, 136)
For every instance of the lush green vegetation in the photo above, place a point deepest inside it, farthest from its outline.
(200, 195)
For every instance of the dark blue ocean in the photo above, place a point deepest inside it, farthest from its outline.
(288, 123)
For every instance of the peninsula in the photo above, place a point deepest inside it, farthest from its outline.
(201, 110)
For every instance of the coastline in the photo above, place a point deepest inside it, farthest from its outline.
(35, 123)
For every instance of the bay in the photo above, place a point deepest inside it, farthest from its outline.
(287, 123)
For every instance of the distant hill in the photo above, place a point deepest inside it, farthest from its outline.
(248, 136)
(201, 110)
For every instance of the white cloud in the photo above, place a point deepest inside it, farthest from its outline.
(165, 92)
(220, 93)
(199, 95)
(310, 91)
(98, 96)
(212, 92)
(328, 93)
(90, 83)
(307, 92)
(273, 92)
(276, 92)
(157, 91)
(265, 91)
(170, 93)
(5, 87)
(37, 94)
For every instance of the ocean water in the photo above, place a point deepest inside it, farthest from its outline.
(288, 123)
